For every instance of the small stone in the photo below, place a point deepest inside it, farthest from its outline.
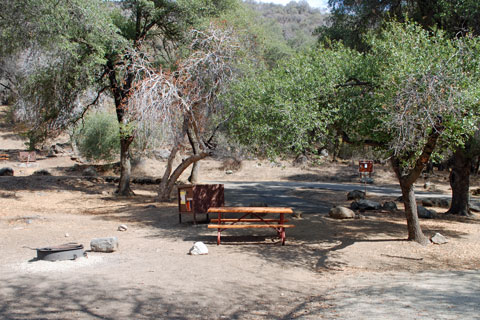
(150, 206)
(122, 227)
(199, 248)
(297, 215)
(341, 213)
(104, 244)
(355, 195)
(229, 172)
(67, 235)
(429, 186)
(6, 171)
(438, 239)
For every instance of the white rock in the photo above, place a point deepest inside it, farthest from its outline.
(122, 227)
(438, 239)
(104, 244)
(198, 248)
(341, 213)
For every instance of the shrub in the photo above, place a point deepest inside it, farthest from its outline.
(98, 137)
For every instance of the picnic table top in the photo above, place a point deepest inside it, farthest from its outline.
(250, 210)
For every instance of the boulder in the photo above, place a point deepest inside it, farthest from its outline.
(355, 195)
(42, 172)
(389, 206)
(109, 244)
(300, 161)
(436, 202)
(341, 213)
(424, 213)
(6, 171)
(199, 248)
(438, 239)
(364, 204)
(89, 172)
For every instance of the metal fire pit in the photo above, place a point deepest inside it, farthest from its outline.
(67, 251)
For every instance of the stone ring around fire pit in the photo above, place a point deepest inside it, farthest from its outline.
(67, 251)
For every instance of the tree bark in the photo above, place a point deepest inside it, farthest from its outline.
(125, 168)
(460, 183)
(162, 188)
(406, 184)
(194, 174)
(165, 192)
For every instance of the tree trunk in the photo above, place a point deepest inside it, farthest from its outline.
(460, 183)
(194, 174)
(414, 230)
(162, 188)
(168, 184)
(406, 184)
(125, 168)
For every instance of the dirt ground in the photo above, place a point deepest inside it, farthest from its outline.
(249, 276)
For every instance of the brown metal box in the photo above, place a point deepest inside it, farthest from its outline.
(197, 198)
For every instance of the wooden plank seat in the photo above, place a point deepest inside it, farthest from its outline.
(258, 214)
(246, 220)
(4, 156)
(248, 226)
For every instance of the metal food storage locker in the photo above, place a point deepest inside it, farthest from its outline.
(197, 198)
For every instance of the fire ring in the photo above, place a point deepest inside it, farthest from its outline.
(67, 251)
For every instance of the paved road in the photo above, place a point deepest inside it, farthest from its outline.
(275, 193)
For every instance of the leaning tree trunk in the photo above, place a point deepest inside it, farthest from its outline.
(125, 168)
(163, 194)
(460, 183)
(413, 225)
(167, 185)
(406, 184)
(194, 174)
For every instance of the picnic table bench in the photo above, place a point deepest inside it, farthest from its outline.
(256, 214)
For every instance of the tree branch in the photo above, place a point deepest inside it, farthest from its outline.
(94, 102)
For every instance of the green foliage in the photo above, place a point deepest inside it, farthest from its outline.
(350, 20)
(293, 107)
(419, 83)
(261, 38)
(97, 137)
(61, 48)
(295, 22)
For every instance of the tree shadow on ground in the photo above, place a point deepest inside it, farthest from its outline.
(48, 297)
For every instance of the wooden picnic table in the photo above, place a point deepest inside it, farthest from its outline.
(256, 214)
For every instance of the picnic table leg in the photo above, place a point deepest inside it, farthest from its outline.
(282, 232)
(218, 231)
